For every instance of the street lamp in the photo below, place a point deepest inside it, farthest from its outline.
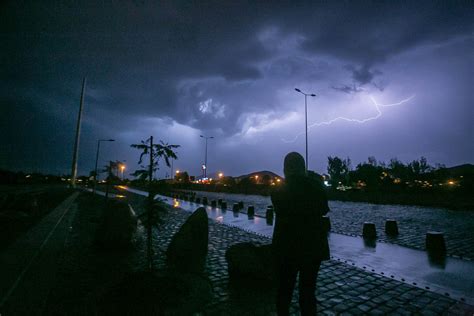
(306, 119)
(204, 166)
(97, 158)
(122, 168)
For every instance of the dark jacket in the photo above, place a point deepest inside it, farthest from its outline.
(299, 205)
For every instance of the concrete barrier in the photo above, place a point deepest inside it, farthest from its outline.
(391, 227)
(369, 231)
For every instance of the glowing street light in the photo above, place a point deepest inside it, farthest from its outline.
(122, 168)
(306, 119)
(220, 174)
(204, 166)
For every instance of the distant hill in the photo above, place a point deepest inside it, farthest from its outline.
(461, 170)
(260, 174)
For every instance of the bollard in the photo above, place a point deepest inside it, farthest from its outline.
(191, 199)
(198, 200)
(391, 227)
(435, 243)
(224, 205)
(369, 231)
(236, 214)
(326, 223)
(235, 207)
(241, 205)
(219, 201)
(251, 210)
(213, 203)
(269, 212)
(269, 220)
(204, 200)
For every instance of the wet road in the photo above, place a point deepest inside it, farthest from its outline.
(453, 277)
(413, 221)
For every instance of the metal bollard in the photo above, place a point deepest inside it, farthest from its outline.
(213, 203)
(251, 210)
(269, 212)
(369, 231)
(198, 200)
(391, 227)
(204, 200)
(435, 244)
(241, 205)
(219, 201)
(235, 207)
(224, 205)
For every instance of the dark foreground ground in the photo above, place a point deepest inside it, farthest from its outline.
(82, 272)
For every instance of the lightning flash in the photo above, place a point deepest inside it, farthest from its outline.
(359, 121)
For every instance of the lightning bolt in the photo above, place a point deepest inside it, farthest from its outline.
(346, 119)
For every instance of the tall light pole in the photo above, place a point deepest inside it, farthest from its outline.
(306, 119)
(97, 159)
(78, 134)
(205, 155)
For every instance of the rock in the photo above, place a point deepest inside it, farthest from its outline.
(117, 227)
(188, 248)
(248, 263)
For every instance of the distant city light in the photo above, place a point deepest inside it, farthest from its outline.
(177, 171)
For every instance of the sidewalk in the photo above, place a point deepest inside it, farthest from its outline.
(28, 266)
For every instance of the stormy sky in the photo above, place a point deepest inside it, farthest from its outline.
(392, 78)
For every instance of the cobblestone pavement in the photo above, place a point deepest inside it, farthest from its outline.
(413, 221)
(342, 289)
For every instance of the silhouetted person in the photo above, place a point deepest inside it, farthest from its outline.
(299, 241)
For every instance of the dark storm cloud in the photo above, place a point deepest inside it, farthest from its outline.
(202, 64)
(348, 89)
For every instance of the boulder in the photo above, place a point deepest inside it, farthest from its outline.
(187, 251)
(117, 227)
(250, 264)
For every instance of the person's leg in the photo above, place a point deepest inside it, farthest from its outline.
(307, 287)
(286, 284)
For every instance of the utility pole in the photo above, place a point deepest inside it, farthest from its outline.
(205, 155)
(150, 209)
(78, 134)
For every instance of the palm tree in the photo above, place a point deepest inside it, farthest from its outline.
(155, 152)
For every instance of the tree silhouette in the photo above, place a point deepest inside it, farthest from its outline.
(153, 207)
(338, 169)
